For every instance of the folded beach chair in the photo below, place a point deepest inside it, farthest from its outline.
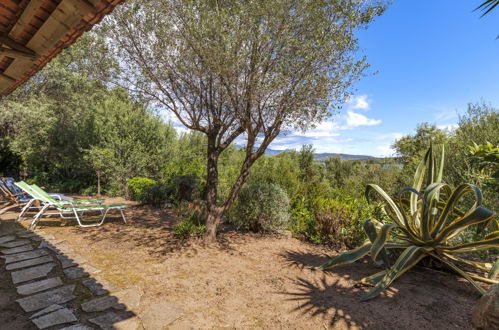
(74, 209)
(11, 199)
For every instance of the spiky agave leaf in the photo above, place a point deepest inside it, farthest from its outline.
(410, 257)
(424, 225)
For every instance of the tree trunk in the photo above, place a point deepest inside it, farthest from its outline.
(98, 183)
(214, 213)
(213, 219)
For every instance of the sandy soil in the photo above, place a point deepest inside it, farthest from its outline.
(248, 281)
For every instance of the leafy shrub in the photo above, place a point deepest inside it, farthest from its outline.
(149, 191)
(262, 208)
(303, 222)
(137, 187)
(334, 221)
(339, 222)
(185, 228)
(425, 221)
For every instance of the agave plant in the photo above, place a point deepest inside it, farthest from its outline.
(425, 220)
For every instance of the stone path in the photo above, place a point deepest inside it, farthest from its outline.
(56, 288)
(47, 279)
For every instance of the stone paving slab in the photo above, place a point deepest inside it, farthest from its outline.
(45, 299)
(101, 304)
(24, 256)
(57, 317)
(96, 287)
(18, 249)
(29, 262)
(31, 273)
(27, 235)
(75, 273)
(78, 327)
(80, 271)
(50, 309)
(8, 238)
(107, 321)
(45, 235)
(67, 262)
(42, 285)
(15, 243)
(158, 316)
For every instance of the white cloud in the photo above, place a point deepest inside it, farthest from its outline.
(326, 128)
(359, 102)
(356, 119)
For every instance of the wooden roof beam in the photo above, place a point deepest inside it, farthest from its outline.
(25, 18)
(16, 53)
(66, 15)
(4, 40)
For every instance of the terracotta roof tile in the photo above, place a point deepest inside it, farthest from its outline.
(33, 32)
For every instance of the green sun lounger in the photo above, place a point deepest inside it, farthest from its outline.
(37, 193)
(70, 209)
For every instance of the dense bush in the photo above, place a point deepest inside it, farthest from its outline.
(333, 221)
(138, 187)
(261, 208)
(149, 191)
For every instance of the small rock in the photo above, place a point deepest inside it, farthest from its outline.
(158, 316)
(486, 312)
(59, 316)
(24, 256)
(29, 263)
(15, 243)
(106, 321)
(42, 285)
(32, 273)
(101, 304)
(45, 299)
(18, 249)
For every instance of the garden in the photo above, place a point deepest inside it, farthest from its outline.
(214, 231)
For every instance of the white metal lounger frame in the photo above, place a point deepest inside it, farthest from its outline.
(64, 208)
(78, 214)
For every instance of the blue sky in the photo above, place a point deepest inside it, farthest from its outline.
(432, 58)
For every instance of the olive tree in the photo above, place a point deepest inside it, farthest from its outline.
(247, 69)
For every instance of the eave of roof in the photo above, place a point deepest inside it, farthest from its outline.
(33, 32)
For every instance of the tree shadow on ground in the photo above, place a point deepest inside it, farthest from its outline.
(69, 268)
(420, 295)
(150, 228)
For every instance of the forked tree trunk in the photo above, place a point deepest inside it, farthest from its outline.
(214, 212)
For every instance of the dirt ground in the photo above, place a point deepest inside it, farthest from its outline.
(248, 281)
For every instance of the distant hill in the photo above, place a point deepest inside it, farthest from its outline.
(323, 156)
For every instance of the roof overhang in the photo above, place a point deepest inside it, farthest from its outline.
(32, 32)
